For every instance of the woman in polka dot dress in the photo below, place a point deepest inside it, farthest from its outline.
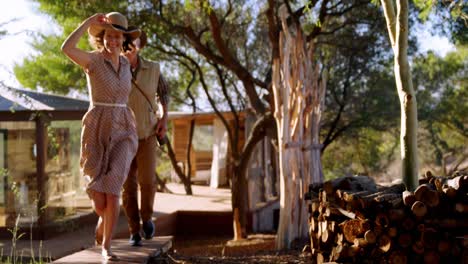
(109, 138)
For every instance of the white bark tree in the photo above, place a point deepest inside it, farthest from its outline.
(396, 15)
(298, 95)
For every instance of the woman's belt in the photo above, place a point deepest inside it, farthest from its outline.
(107, 104)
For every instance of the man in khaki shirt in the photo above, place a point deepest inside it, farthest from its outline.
(148, 87)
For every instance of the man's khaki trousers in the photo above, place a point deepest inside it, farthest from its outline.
(142, 173)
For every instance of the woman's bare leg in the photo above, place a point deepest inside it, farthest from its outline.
(111, 214)
(99, 204)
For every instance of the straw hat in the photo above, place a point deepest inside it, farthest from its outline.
(143, 36)
(117, 21)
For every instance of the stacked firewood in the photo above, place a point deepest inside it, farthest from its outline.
(352, 220)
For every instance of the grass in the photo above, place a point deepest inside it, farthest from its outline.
(17, 256)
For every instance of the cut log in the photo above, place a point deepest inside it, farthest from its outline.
(336, 251)
(458, 182)
(320, 258)
(381, 220)
(392, 199)
(430, 238)
(385, 243)
(428, 175)
(461, 208)
(325, 233)
(397, 257)
(349, 196)
(352, 228)
(404, 240)
(331, 226)
(465, 241)
(378, 230)
(328, 187)
(431, 257)
(370, 237)
(398, 188)
(323, 196)
(439, 182)
(349, 251)
(315, 206)
(408, 224)
(339, 239)
(418, 247)
(360, 242)
(408, 198)
(312, 225)
(397, 202)
(419, 209)
(392, 232)
(448, 223)
(423, 188)
(348, 214)
(426, 194)
(378, 226)
(443, 247)
(449, 191)
(396, 215)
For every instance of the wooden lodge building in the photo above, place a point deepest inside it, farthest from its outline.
(41, 185)
(39, 150)
(210, 165)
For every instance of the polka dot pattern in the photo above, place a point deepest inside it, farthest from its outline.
(108, 139)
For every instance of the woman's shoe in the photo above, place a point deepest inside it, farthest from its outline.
(108, 255)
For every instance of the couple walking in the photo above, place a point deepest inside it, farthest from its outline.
(119, 131)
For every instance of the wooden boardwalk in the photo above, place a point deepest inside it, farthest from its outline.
(78, 246)
(125, 252)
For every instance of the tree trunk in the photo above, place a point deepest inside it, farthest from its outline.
(298, 94)
(397, 25)
(184, 178)
(239, 200)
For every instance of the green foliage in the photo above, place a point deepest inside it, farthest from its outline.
(369, 152)
(14, 256)
(425, 6)
(360, 89)
(361, 103)
(204, 5)
(3, 172)
(441, 84)
(449, 18)
(49, 68)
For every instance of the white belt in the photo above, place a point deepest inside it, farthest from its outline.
(108, 104)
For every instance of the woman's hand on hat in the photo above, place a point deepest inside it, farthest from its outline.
(99, 19)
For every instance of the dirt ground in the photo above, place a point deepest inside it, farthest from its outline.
(258, 248)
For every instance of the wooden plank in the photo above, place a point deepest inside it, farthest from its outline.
(125, 252)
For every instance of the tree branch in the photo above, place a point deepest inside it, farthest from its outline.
(389, 11)
(322, 14)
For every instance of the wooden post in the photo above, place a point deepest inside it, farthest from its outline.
(298, 91)
(41, 158)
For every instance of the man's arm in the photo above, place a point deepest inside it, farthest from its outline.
(163, 94)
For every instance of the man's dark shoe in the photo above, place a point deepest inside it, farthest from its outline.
(148, 229)
(135, 240)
